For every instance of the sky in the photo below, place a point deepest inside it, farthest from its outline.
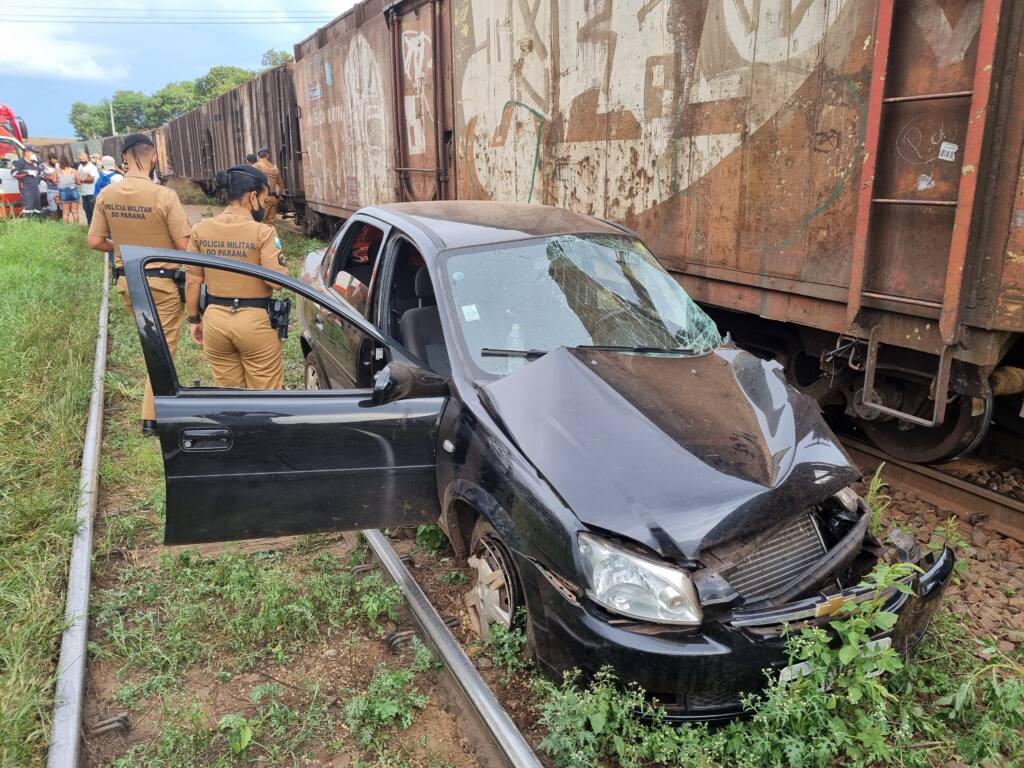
(66, 54)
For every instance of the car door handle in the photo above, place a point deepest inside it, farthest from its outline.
(205, 439)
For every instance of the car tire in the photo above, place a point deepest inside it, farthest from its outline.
(313, 374)
(495, 594)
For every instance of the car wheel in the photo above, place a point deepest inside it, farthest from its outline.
(495, 594)
(313, 375)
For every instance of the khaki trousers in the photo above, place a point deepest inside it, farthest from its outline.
(169, 310)
(271, 212)
(242, 349)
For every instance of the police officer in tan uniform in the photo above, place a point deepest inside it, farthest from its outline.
(273, 175)
(242, 348)
(139, 212)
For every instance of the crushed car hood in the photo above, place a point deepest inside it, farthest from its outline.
(679, 453)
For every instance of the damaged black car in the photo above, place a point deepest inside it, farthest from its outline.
(645, 494)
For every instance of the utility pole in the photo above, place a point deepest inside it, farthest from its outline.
(113, 130)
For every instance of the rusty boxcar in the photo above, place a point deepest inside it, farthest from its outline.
(374, 113)
(114, 146)
(219, 134)
(838, 180)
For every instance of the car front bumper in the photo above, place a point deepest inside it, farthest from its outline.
(698, 674)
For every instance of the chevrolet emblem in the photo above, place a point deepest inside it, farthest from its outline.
(830, 607)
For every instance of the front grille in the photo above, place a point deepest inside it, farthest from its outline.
(783, 556)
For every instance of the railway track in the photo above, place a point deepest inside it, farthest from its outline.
(972, 502)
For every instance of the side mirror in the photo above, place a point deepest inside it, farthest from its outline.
(399, 381)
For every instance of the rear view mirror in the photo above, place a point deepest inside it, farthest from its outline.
(399, 381)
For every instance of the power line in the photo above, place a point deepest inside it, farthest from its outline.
(53, 14)
(159, 23)
(27, 78)
(177, 8)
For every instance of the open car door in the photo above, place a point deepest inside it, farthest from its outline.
(251, 463)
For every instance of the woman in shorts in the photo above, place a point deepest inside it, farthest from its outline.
(67, 190)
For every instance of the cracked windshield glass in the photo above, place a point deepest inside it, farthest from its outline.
(516, 303)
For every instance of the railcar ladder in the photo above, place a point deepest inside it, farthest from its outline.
(878, 99)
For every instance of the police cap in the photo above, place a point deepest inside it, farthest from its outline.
(134, 139)
(248, 170)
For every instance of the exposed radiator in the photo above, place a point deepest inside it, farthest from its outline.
(785, 555)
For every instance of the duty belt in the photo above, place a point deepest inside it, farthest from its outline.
(169, 274)
(235, 304)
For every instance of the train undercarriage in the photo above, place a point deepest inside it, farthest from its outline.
(897, 409)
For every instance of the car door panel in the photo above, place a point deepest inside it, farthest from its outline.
(242, 464)
(332, 464)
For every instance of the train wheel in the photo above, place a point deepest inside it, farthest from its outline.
(966, 423)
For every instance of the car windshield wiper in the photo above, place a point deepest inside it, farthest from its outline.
(529, 354)
(639, 348)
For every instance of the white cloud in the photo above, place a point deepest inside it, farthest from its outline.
(65, 52)
(35, 49)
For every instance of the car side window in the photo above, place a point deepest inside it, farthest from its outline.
(241, 347)
(354, 262)
(411, 314)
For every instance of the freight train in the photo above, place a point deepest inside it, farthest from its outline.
(838, 181)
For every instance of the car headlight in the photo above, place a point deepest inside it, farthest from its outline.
(635, 586)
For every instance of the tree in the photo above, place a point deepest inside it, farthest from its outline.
(171, 101)
(129, 111)
(220, 80)
(134, 110)
(272, 58)
(89, 120)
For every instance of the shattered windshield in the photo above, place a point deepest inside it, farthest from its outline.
(517, 301)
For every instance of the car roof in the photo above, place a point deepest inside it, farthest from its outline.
(467, 223)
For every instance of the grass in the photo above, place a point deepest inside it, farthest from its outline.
(190, 193)
(50, 286)
(189, 611)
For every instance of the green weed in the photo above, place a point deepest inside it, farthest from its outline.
(391, 699)
(506, 646)
(877, 500)
(160, 621)
(452, 577)
(272, 730)
(431, 538)
(858, 704)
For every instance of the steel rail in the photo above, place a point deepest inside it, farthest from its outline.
(972, 502)
(65, 740)
(513, 749)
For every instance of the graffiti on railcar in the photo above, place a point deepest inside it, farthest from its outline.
(344, 96)
(366, 126)
(617, 106)
(417, 63)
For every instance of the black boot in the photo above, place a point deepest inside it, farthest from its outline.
(148, 428)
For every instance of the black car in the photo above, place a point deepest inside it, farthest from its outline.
(655, 498)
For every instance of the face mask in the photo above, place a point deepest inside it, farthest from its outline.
(257, 213)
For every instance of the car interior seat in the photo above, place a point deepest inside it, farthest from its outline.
(420, 327)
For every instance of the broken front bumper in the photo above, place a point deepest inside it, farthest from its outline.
(701, 674)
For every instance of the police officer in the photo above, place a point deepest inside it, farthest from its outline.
(242, 348)
(274, 178)
(139, 212)
(28, 172)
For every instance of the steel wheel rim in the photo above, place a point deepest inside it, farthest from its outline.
(490, 598)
